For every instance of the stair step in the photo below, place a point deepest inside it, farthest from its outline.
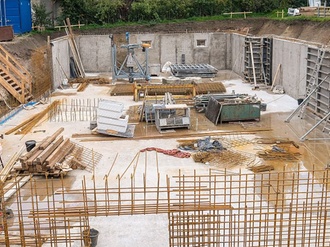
(12, 83)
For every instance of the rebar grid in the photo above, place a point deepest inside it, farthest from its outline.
(75, 110)
(287, 208)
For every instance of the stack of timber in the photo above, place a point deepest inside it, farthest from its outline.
(50, 156)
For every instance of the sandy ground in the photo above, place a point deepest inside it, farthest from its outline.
(152, 230)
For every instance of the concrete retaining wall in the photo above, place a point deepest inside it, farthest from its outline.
(95, 52)
(225, 51)
(292, 57)
(237, 42)
(60, 61)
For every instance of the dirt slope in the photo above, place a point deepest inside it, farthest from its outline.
(319, 32)
(306, 30)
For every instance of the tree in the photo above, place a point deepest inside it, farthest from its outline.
(79, 10)
(40, 15)
(108, 11)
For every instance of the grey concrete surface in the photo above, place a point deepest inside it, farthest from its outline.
(237, 53)
(225, 51)
(60, 60)
(292, 57)
(95, 52)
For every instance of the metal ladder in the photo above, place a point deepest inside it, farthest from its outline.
(313, 80)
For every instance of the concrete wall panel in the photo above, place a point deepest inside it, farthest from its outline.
(237, 52)
(201, 50)
(222, 50)
(95, 52)
(60, 61)
(292, 57)
(218, 55)
(172, 46)
(153, 52)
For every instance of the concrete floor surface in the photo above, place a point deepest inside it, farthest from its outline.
(152, 230)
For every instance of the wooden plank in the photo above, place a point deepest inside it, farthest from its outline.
(49, 150)
(20, 183)
(10, 164)
(275, 77)
(62, 153)
(50, 139)
(41, 146)
(29, 162)
(24, 157)
(28, 124)
(74, 48)
(77, 163)
(21, 124)
(59, 153)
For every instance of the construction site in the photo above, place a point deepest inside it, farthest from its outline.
(185, 138)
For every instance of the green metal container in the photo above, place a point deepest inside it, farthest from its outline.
(239, 111)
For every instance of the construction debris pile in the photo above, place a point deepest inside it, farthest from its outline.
(202, 145)
(54, 155)
(218, 152)
(279, 152)
(172, 152)
(280, 149)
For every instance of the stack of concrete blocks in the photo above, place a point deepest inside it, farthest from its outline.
(110, 117)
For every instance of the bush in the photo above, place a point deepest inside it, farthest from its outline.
(40, 16)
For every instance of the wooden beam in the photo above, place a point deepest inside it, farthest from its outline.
(50, 139)
(275, 77)
(49, 150)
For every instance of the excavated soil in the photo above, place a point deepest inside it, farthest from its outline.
(23, 46)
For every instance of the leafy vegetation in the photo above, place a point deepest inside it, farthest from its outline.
(40, 15)
(112, 11)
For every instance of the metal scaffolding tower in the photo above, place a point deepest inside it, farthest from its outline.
(130, 68)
